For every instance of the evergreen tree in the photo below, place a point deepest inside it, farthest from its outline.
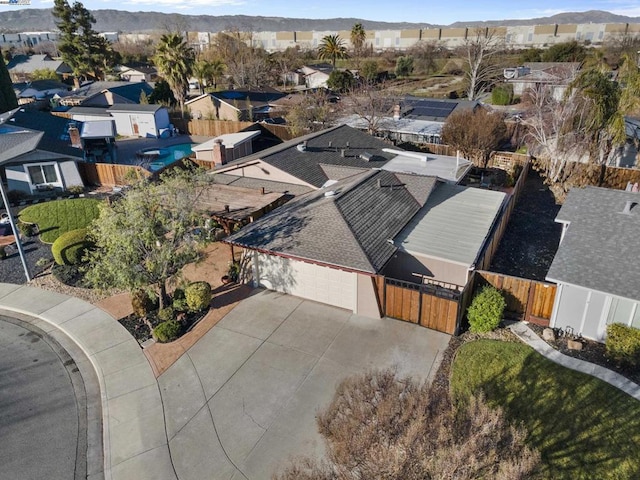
(8, 99)
(81, 47)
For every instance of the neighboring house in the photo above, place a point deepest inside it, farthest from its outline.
(240, 104)
(336, 153)
(134, 120)
(105, 94)
(329, 244)
(597, 263)
(314, 159)
(21, 67)
(36, 152)
(415, 119)
(532, 76)
(138, 73)
(28, 92)
(226, 148)
(316, 76)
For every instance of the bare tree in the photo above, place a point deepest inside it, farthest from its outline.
(372, 104)
(481, 46)
(313, 113)
(381, 427)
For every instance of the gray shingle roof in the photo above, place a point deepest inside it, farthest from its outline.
(134, 107)
(31, 63)
(309, 165)
(600, 248)
(55, 130)
(89, 111)
(258, 183)
(16, 142)
(350, 228)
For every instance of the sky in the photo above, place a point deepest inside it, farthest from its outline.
(416, 11)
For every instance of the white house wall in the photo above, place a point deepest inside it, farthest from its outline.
(125, 121)
(588, 312)
(306, 280)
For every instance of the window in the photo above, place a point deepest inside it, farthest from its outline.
(43, 174)
(620, 311)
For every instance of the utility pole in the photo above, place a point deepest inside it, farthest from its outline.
(16, 233)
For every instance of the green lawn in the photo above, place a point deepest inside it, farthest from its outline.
(57, 217)
(583, 428)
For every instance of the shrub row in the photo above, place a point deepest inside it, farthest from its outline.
(70, 247)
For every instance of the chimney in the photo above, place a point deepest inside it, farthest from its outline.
(396, 112)
(219, 152)
(74, 136)
(628, 207)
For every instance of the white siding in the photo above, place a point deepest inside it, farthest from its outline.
(306, 280)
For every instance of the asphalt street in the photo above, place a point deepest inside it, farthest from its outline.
(42, 429)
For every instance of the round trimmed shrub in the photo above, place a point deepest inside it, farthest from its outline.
(198, 296)
(69, 248)
(142, 303)
(167, 331)
(179, 301)
(486, 309)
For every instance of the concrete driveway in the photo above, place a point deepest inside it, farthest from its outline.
(242, 401)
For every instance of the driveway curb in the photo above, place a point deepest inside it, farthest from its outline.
(134, 435)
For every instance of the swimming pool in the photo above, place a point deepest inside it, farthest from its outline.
(156, 158)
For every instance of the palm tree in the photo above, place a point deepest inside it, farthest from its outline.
(174, 60)
(217, 70)
(332, 47)
(358, 37)
(202, 71)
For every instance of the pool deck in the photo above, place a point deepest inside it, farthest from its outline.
(127, 147)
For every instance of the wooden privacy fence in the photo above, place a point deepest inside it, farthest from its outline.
(210, 128)
(526, 299)
(430, 306)
(484, 260)
(109, 174)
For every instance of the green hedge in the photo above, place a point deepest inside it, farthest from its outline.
(167, 331)
(486, 309)
(623, 344)
(198, 296)
(69, 247)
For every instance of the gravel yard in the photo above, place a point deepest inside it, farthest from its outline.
(532, 236)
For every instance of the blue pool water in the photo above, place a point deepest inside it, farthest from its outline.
(160, 157)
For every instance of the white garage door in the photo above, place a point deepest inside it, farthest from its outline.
(307, 280)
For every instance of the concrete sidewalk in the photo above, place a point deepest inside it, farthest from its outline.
(528, 336)
(241, 400)
(133, 427)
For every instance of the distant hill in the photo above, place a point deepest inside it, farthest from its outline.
(122, 21)
(591, 16)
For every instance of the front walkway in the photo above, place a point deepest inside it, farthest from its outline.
(528, 336)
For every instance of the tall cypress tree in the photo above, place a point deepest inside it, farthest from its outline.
(8, 100)
(80, 45)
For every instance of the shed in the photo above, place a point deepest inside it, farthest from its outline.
(133, 120)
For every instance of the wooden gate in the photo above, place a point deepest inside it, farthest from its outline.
(430, 306)
(528, 300)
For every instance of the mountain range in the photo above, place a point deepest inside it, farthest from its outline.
(132, 22)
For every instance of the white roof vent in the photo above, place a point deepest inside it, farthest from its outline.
(366, 156)
(302, 147)
(629, 206)
(330, 193)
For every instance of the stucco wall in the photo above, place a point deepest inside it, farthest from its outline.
(411, 268)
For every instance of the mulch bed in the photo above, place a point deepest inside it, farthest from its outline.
(593, 352)
(532, 236)
(139, 329)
